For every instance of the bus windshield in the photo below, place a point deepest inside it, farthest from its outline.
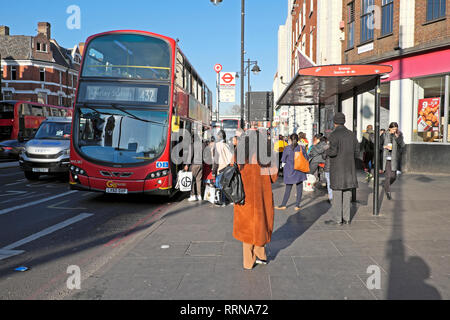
(230, 124)
(54, 131)
(120, 134)
(129, 56)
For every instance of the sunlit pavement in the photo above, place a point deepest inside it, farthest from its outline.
(190, 253)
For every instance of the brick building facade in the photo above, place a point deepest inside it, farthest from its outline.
(37, 68)
(413, 36)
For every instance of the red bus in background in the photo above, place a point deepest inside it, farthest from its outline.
(22, 118)
(230, 126)
(135, 90)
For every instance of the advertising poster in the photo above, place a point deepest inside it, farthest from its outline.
(429, 114)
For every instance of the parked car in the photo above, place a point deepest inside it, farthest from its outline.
(11, 149)
(48, 153)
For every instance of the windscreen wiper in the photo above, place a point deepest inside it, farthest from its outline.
(93, 109)
(115, 106)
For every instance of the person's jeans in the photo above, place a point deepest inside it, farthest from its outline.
(287, 194)
(390, 176)
(330, 192)
(222, 195)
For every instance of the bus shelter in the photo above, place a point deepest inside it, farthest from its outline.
(315, 85)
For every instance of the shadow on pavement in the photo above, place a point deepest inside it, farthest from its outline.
(406, 276)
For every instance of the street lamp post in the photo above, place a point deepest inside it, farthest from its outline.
(216, 2)
(255, 70)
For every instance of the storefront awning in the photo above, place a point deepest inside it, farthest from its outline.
(314, 85)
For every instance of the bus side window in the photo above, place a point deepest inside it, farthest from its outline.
(37, 111)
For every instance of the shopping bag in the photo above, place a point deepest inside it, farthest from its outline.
(308, 184)
(300, 162)
(184, 181)
(210, 194)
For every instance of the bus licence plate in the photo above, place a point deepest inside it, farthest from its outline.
(116, 190)
(40, 169)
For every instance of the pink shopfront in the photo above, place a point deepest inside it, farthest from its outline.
(416, 95)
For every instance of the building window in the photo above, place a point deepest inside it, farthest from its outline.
(42, 97)
(429, 109)
(351, 24)
(7, 95)
(42, 47)
(304, 13)
(311, 8)
(60, 100)
(13, 73)
(435, 9)
(42, 74)
(367, 23)
(387, 10)
(311, 43)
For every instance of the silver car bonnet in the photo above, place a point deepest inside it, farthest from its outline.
(46, 146)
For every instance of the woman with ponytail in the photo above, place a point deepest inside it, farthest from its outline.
(292, 176)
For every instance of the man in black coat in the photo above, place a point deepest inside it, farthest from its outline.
(344, 148)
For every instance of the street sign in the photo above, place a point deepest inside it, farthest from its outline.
(228, 79)
(228, 94)
(217, 68)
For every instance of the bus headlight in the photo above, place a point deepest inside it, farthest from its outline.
(158, 174)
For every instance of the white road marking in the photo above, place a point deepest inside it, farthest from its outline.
(12, 184)
(4, 254)
(4, 211)
(47, 231)
(11, 193)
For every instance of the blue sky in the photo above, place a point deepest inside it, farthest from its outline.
(208, 34)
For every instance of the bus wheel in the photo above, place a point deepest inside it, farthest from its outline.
(31, 176)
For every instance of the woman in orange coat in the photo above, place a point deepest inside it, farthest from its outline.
(253, 221)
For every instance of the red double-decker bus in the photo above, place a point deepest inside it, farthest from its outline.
(135, 90)
(21, 119)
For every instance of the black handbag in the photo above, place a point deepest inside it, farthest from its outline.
(231, 184)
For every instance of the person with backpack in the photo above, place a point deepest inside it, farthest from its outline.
(222, 158)
(290, 175)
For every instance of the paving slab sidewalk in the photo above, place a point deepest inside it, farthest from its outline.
(409, 244)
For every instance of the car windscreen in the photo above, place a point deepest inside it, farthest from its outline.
(54, 131)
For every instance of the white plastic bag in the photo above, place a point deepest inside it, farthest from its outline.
(308, 184)
(210, 194)
(184, 181)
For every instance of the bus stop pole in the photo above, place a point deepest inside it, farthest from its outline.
(376, 181)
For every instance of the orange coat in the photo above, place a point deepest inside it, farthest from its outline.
(253, 221)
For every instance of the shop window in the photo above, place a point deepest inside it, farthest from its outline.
(428, 116)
